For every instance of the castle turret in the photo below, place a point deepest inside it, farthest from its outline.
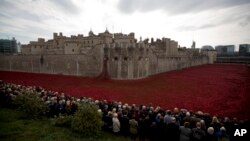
(106, 31)
(91, 33)
(54, 35)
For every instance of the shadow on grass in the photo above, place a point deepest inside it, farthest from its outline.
(14, 127)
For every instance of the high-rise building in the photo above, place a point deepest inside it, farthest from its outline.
(244, 49)
(225, 49)
(8, 46)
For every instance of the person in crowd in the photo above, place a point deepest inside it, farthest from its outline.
(203, 125)
(108, 123)
(161, 127)
(197, 133)
(143, 127)
(172, 131)
(185, 132)
(222, 134)
(153, 132)
(187, 118)
(210, 134)
(168, 117)
(116, 124)
(133, 128)
(234, 125)
(153, 123)
(124, 123)
(215, 124)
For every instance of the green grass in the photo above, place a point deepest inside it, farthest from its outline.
(15, 127)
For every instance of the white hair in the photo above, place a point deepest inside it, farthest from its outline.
(210, 130)
(223, 128)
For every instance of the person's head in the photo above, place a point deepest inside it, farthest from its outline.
(168, 112)
(226, 119)
(199, 113)
(202, 123)
(223, 129)
(173, 120)
(115, 115)
(210, 130)
(198, 124)
(186, 124)
(176, 110)
(158, 115)
(215, 119)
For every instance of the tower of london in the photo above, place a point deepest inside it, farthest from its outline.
(117, 56)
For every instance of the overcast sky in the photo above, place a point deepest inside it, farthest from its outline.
(208, 22)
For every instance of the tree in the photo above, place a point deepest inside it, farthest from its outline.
(87, 120)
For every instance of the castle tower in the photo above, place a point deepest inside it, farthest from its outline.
(91, 33)
(193, 45)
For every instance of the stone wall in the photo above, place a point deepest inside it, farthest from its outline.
(122, 62)
(89, 64)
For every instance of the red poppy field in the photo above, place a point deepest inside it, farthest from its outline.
(219, 89)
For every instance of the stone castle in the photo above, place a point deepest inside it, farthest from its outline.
(117, 56)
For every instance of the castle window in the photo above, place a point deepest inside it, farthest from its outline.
(140, 58)
(73, 50)
(116, 58)
(125, 58)
(92, 41)
(88, 42)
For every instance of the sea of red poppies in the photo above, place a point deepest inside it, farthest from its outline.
(219, 89)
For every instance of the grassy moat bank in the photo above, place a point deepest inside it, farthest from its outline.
(15, 127)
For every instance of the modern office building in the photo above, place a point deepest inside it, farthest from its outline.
(8, 46)
(244, 50)
(225, 49)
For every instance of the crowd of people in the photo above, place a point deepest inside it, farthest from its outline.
(137, 122)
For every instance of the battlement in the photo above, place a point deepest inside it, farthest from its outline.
(55, 35)
(125, 57)
(121, 35)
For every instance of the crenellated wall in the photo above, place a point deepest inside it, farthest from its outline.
(123, 63)
(117, 56)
